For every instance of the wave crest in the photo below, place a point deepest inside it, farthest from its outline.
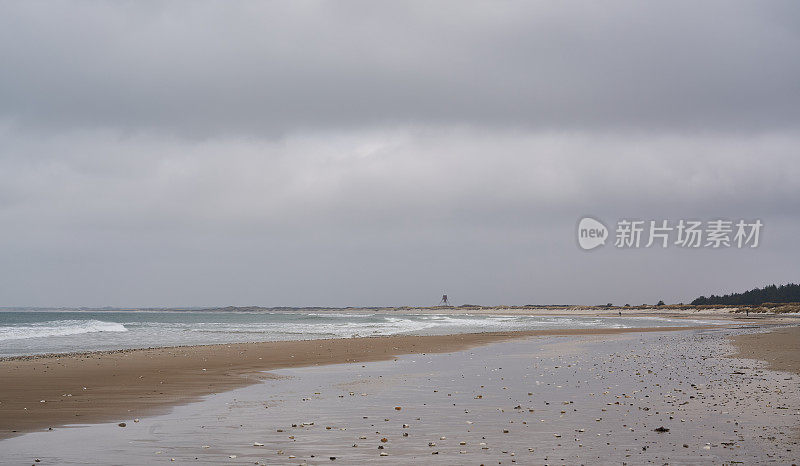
(58, 328)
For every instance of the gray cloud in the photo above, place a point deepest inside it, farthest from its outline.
(271, 68)
(379, 217)
(366, 153)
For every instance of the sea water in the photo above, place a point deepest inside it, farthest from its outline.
(29, 332)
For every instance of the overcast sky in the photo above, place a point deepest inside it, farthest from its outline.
(383, 153)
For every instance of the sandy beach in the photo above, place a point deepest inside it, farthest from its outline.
(43, 392)
(684, 396)
(552, 385)
(780, 348)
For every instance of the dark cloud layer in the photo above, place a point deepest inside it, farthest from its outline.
(268, 68)
(366, 153)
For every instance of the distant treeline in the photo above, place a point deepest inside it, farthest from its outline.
(789, 293)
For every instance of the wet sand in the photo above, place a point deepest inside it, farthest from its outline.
(676, 397)
(43, 392)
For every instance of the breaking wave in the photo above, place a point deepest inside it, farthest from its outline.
(58, 328)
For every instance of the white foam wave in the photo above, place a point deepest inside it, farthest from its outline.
(332, 314)
(390, 326)
(58, 328)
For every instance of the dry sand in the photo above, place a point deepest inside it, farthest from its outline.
(41, 392)
(780, 348)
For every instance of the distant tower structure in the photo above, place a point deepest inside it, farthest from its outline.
(444, 300)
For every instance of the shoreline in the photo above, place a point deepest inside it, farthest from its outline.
(26, 357)
(704, 315)
(57, 390)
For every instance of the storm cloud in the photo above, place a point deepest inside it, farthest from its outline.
(366, 153)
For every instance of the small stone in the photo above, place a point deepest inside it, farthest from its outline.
(122, 424)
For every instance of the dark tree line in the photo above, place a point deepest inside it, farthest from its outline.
(789, 293)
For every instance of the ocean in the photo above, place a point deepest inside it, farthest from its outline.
(31, 332)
